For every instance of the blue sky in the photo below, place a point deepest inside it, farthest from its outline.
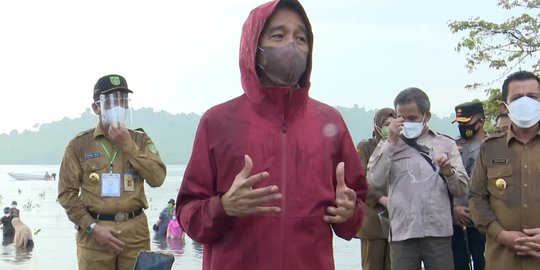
(182, 56)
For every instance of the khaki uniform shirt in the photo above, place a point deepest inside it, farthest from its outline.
(514, 203)
(371, 225)
(85, 162)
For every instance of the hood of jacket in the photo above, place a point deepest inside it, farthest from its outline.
(265, 96)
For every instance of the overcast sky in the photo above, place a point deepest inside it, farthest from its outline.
(182, 56)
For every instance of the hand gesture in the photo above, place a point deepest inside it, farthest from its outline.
(446, 166)
(463, 216)
(107, 238)
(242, 200)
(508, 238)
(119, 135)
(530, 244)
(395, 127)
(345, 199)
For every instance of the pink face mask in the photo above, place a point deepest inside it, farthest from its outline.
(283, 66)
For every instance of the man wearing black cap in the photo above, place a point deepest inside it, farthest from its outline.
(467, 241)
(102, 179)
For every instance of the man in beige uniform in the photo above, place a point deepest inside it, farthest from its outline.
(504, 195)
(101, 183)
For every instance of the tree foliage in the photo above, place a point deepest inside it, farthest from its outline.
(502, 46)
(505, 47)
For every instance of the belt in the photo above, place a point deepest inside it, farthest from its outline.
(117, 216)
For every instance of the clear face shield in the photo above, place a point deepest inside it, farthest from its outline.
(114, 108)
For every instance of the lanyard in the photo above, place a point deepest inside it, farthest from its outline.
(109, 155)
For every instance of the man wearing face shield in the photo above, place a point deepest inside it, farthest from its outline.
(504, 198)
(102, 178)
(423, 170)
(467, 241)
(273, 173)
(374, 234)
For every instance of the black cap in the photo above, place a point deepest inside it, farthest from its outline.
(465, 111)
(171, 201)
(110, 83)
(6, 210)
(14, 203)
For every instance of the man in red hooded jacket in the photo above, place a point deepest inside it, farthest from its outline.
(273, 173)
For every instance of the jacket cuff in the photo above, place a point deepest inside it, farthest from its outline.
(219, 216)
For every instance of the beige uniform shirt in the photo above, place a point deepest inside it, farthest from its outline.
(79, 191)
(418, 205)
(505, 195)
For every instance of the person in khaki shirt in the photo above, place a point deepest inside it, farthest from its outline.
(504, 195)
(101, 182)
(374, 237)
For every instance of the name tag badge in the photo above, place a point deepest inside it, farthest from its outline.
(110, 185)
(129, 182)
(499, 161)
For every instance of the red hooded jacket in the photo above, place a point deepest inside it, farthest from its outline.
(299, 141)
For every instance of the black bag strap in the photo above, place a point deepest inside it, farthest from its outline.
(425, 154)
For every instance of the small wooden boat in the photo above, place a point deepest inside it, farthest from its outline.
(28, 176)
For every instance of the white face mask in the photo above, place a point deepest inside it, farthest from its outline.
(412, 130)
(114, 108)
(115, 116)
(524, 112)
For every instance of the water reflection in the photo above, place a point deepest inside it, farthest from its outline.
(198, 247)
(23, 254)
(175, 246)
(18, 255)
(160, 242)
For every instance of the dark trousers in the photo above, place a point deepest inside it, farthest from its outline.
(477, 243)
(434, 252)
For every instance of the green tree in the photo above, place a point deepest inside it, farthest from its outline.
(506, 47)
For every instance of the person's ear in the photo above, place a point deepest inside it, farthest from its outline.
(502, 107)
(96, 109)
(481, 122)
(427, 118)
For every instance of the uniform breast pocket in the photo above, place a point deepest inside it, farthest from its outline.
(93, 170)
(500, 183)
(401, 164)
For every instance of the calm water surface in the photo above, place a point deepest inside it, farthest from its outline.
(55, 242)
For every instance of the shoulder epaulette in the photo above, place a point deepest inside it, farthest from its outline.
(494, 136)
(140, 130)
(85, 132)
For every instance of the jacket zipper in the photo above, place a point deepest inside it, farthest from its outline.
(283, 187)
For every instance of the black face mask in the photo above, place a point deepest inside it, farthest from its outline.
(468, 131)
